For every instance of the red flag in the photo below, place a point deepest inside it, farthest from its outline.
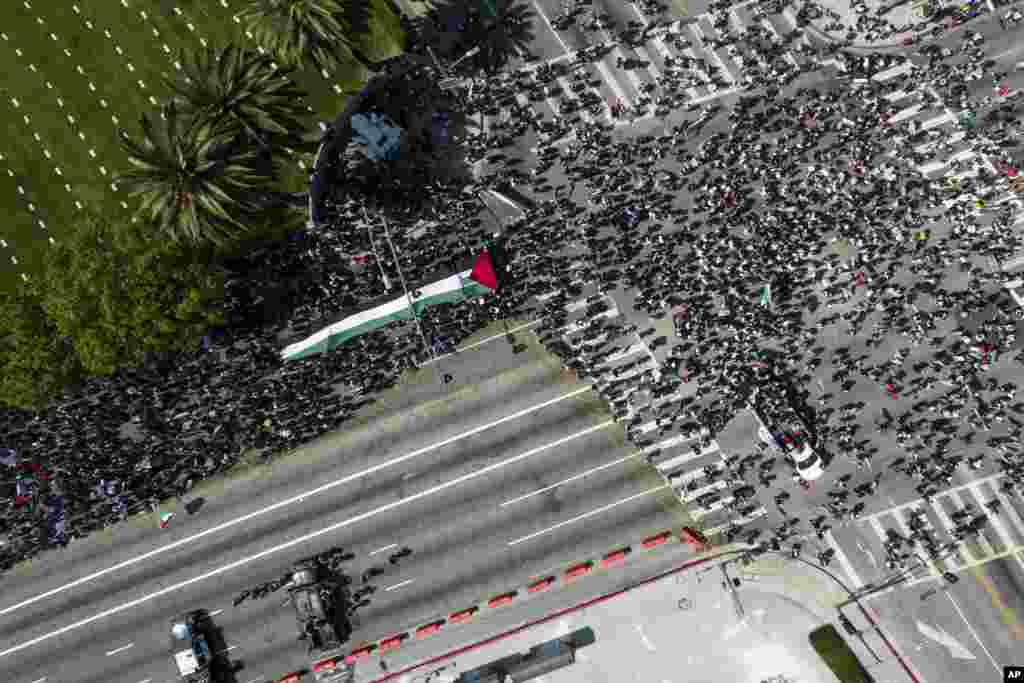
(483, 271)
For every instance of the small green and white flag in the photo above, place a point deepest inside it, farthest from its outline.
(456, 288)
(766, 296)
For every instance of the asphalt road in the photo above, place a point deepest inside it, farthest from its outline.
(470, 510)
(467, 544)
(986, 612)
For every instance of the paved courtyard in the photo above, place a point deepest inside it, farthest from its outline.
(685, 626)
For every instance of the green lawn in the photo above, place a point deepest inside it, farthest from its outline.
(73, 78)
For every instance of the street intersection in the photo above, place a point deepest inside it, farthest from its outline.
(531, 469)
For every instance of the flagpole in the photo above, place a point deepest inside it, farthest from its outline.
(405, 288)
(373, 245)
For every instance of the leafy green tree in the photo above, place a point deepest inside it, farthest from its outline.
(193, 181)
(117, 295)
(317, 33)
(36, 363)
(241, 93)
(497, 29)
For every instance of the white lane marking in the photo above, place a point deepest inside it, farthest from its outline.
(968, 556)
(920, 501)
(870, 555)
(879, 530)
(120, 649)
(216, 612)
(398, 585)
(588, 514)
(540, 11)
(643, 637)
(229, 648)
(844, 561)
(380, 550)
(939, 635)
(39, 680)
(289, 501)
(146, 680)
(973, 632)
(297, 541)
(572, 478)
(481, 342)
(980, 538)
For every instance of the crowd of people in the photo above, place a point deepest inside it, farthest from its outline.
(119, 445)
(700, 232)
(806, 223)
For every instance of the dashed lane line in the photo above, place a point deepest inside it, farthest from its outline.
(329, 529)
(188, 540)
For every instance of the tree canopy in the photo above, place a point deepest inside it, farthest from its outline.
(316, 33)
(193, 182)
(109, 296)
(35, 361)
(496, 29)
(242, 94)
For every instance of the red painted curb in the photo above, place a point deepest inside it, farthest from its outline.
(892, 648)
(550, 617)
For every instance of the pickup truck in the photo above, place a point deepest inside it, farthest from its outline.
(190, 647)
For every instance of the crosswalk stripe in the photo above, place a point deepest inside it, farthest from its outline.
(756, 514)
(877, 527)
(1007, 509)
(693, 495)
(844, 562)
(568, 94)
(944, 118)
(770, 27)
(689, 455)
(699, 35)
(893, 72)
(968, 556)
(1010, 543)
(700, 513)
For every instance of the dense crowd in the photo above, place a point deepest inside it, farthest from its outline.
(117, 446)
(812, 199)
(699, 233)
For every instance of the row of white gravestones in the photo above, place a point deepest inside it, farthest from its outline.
(104, 104)
(70, 118)
(31, 208)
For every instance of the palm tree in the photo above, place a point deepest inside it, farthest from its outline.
(241, 93)
(192, 181)
(499, 28)
(315, 33)
(503, 28)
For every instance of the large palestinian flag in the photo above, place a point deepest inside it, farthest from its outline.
(481, 280)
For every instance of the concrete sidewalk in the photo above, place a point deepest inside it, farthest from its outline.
(689, 624)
